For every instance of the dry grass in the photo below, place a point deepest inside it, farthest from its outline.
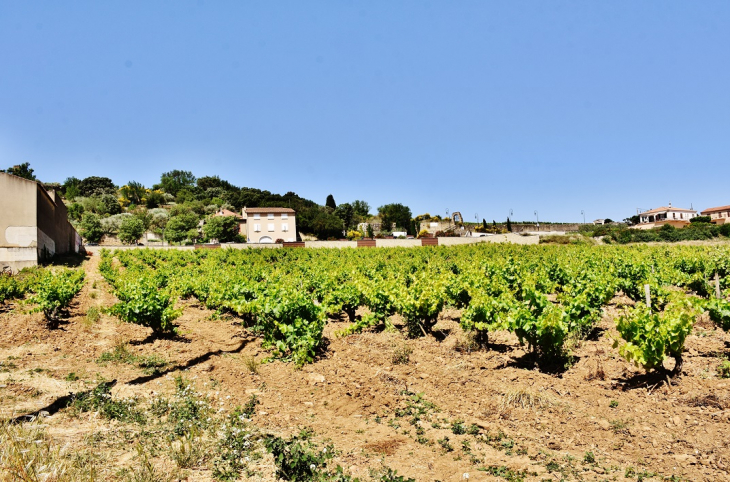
(251, 364)
(466, 342)
(385, 447)
(401, 354)
(525, 398)
(27, 454)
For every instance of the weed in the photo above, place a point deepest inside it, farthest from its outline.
(467, 342)
(458, 427)
(92, 314)
(100, 400)
(145, 471)
(401, 354)
(389, 475)
(93, 295)
(589, 458)
(298, 458)
(613, 404)
(71, 377)
(506, 473)
(188, 450)
(251, 365)
(619, 426)
(723, 371)
(444, 443)
(150, 365)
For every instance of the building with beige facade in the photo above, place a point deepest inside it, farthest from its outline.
(657, 217)
(267, 225)
(33, 224)
(718, 215)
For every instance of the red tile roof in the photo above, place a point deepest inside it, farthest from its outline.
(714, 210)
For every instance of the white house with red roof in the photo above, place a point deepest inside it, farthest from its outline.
(657, 217)
(718, 215)
(268, 225)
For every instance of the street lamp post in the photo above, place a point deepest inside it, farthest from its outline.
(538, 221)
(584, 216)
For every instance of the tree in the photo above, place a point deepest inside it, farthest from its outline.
(346, 213)
(509, 225)
(181, 227)
(131, 230)
(635, 219)
(176, 180)
(110, 204)
(484, 224)
(22, 170)
(370, 231)
(222, 228)
(75, 212)
(96, 186)
(330, 203)
(361, 208)
(397, 214)
(133, 192)
(91, 228)
(70, 188)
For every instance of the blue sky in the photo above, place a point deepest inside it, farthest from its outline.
(476, 106)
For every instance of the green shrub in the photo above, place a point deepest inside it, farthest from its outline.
(54, 292)
(142, 302)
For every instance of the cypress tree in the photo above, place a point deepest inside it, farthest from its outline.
(509, 225)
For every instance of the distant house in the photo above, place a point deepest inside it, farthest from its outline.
(33, 224)
(719, 215)
(599, 222)
(677, 217)
(266, 225)
(241, 222)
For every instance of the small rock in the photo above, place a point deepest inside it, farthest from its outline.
(308, 404)
(316, 378)
(604, 424)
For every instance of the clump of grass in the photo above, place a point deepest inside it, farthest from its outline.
(189, 450)
(150, 364)
(619, 426)
(251, 364)
(93, 314)
(146, 471)
(613, 404)
(401, 354)
(71, 377)
(467, 342)
(100, 400)
(525, 398)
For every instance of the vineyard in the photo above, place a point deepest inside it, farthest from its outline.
(550, 298)
(486, 362)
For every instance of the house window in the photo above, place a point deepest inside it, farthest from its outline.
(285, 227)
(284, 216)
(271, 216)
(257, 216)
(257, 227)
(270, 227)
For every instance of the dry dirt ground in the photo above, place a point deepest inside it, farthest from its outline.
(489, 409)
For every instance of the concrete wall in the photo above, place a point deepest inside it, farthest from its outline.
(33, 224)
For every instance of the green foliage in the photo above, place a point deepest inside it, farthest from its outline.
(91, 228)
(651, 337)
(142, 302)
(109, 204)
(723, 370)
(292, 324)
(96, 186)
(701, 219)
(10, 288)
(298, 459)
(222, 228)
(719, 311)
(181, 227)
(54, 292)
(397, 214)
(21, 170)
(174, 181)
(100, 400)
(131, 230)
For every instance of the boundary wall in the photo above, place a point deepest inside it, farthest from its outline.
(380, 243)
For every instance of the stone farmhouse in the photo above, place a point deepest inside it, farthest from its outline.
(33, 224)
(267, 225)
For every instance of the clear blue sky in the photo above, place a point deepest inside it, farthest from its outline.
(476, 106)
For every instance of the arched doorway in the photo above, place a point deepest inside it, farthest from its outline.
(266, 240)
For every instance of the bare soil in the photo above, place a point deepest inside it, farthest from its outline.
(599, 419)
